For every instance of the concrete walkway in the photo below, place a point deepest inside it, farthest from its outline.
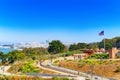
(3, 70)
(72, 72)
(47, 65)
(69, 73)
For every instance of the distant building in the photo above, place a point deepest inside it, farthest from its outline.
(79, 56)
(7, 46)
(113, 53)
(29, 45)
(88, 52)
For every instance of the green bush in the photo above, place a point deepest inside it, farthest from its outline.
(28, 68)
(57, 78)
(98, 56)
(70, 53)
(118, 69)
(15, 77)
(23, 67)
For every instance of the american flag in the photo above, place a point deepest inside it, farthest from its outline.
(101, 33)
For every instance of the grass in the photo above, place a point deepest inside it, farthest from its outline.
(22, 78)
(15, 77)
(23, 67)
(118, 69)
(106, 68)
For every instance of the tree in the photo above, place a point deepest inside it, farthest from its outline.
(108, 45)
(98, 56)
(15, 55)
(56, 47)
(118, 43)
(77, 46)
(3, 57)
(93, 46)
(81, 45)
(73, 47)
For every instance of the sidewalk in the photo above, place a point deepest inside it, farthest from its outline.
(73, 72)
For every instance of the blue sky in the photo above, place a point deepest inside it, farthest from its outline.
(65, 20)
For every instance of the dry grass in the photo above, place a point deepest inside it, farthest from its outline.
(44, 71)
(106, 70)
(22, 78)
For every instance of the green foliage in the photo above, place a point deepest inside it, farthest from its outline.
(69, 53)
(73, 47)
(95, 62)
(98, 56)
(56, 47)
(117, 43)
(15, 67)
(36, 51)
(81, 45)
(28, 68)
(92, 45)
(3, 57)
(30, 78)
(81, 64)
(118, 69)
(109, 43)
(23, 67)
(89, 62)
(56, 63)
(15, 55)
(77, 46)
(57, 78)
(21, 78)
(65, 54)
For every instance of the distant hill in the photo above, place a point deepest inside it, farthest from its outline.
(109, 43)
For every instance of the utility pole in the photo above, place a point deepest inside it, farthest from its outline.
(92, 69)
(104, 44)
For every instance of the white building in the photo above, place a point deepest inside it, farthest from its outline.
(29, 45)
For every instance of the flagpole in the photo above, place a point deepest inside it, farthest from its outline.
(101, 34)
(104, 44)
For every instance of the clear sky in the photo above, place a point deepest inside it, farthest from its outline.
(65, 20)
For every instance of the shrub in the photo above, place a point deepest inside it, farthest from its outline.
(118, 69)
(23, 67)
(21, 78)
(98, 56)
(57, 78)
(28, 68)
(81, 64)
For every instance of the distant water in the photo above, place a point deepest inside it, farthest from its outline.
(5, 50)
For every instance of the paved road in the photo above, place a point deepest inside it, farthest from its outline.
(3, 71)
(69, 73)
(48, 64)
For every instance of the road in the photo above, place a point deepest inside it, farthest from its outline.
(63, 72)
(47, 64)
(3, 71)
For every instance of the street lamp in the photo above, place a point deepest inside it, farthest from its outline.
(101, 60)
(92, 69)
(40, 60)
(51, 58)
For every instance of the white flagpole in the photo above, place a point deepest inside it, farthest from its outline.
(104, 44)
